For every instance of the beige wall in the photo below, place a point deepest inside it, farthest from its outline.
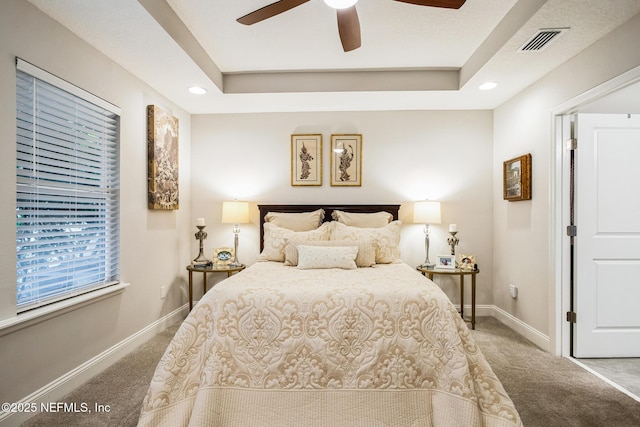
(522, 237)
(407, 156)
(452, 156)
(155, 246)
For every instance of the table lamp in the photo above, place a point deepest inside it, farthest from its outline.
(426, 212)
(235, 213)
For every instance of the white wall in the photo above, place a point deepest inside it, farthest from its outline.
(523, 252)
(407, 156)
(155, 246)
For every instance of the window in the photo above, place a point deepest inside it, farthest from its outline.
(67, 175)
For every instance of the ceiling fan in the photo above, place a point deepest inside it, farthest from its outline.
(348, 23)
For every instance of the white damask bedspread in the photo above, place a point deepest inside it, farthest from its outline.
(279, 346)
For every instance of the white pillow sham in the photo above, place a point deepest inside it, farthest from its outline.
(296, 221)
(387, 239)
(320, 257)
(366, 220)
(274, 237)
(366, 256)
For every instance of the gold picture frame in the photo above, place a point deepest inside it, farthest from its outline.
(162, 160)
(346, 160)
(466, 262)
(516, 174)
(306, 159)
(223, 256)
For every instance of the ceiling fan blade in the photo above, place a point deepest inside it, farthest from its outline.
(349, 28)
(450, 4)
(269, 11)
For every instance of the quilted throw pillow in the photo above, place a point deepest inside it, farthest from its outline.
(316, 257)
(387, 239)
(366, 256)
(274, 239)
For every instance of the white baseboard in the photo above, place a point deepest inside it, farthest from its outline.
(538, 338)
(60, 387)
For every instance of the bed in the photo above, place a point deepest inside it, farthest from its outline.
(305, 338)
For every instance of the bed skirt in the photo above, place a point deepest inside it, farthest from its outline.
(324, 408)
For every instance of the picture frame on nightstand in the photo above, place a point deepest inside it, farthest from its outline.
(467, 262)
(223, 256)
(446, 262)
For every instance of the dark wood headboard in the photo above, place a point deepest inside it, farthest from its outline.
(328, 210)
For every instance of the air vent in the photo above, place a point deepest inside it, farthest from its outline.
(542, 39)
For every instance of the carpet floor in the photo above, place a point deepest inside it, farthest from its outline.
(548, 391)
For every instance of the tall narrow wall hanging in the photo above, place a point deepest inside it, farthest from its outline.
(306, 159)
(346, 160)
(162, 164)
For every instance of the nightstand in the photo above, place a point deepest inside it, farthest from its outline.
(206, 270)
(430, 272)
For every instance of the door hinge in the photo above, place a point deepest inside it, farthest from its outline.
(572, 230)
(571, 316)
(572, 144)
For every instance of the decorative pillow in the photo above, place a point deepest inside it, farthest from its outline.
(274, 239)
(327, 257)
(303, 221)
(387, 239)
(366, 249)
(367, 220)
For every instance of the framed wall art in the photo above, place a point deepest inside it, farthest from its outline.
(162, 163)
(346, 160)
(517, 178)
(306, 159)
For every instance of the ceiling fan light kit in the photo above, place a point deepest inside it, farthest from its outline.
(340, 4)
(348, 22)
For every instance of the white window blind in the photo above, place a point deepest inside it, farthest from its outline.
(67, 175)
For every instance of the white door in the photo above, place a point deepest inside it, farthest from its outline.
(607, 263)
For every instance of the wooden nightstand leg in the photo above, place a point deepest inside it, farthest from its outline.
(190, 289)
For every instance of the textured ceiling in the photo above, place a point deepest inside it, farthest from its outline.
(412, 57)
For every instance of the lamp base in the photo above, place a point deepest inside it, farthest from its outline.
(427, 266)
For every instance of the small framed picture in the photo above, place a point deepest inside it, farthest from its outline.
(516, 176)
(223, 256)
(447, 262)
(306, 159)
(466, 262)
(346, 160)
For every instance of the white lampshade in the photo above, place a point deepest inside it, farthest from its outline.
(426, 212)
(235, 212)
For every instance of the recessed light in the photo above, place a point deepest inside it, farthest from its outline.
(488, 86)
(197, 90)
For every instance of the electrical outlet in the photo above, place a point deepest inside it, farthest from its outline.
(163, 292)
(513, 291)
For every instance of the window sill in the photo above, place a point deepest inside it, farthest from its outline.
(30, 318)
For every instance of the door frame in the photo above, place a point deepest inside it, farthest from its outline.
(560, 292)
